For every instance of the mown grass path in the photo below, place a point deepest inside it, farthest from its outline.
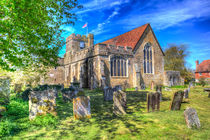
(137, 124)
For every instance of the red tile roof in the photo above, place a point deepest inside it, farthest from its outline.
(130, 38)
(204, 66)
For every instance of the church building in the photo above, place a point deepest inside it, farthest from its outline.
(132, 59)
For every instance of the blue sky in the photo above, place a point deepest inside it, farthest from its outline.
(173, 21)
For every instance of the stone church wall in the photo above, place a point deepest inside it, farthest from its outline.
(91, 65)
(172, 78)
(158, 60)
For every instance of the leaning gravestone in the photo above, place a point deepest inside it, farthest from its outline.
(81, 107)
(119, 105)
(191, 118)
(208, 90)
(108, 94)
(4, 90)
(153, 101)
(177, 100)
(186, 93)
(42, 102)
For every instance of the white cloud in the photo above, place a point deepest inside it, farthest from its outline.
(100, 26)
(168, 15)
(100, 5)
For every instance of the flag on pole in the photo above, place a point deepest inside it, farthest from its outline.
(84, 25)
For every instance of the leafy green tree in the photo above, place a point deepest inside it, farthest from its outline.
(30, 31)
(175, 59)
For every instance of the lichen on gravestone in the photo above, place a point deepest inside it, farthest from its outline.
(120, 102)
(191, 118)
(42, 102)
(177, 100)
(81, 107)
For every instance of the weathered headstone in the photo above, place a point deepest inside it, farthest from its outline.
(152, 85)
(42, 102)
(158, 88)
(108, 94)
(119, 105)
(69, 93)
(143, 87)
(208, 90)
(186, 93)
(191, 118)
(118, 87)
(177, 100)
(153, 101)
(81, 107)
(4, 90)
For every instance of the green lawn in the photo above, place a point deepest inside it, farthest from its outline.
(137, 124)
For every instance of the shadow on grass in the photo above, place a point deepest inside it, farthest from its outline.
(102, 115)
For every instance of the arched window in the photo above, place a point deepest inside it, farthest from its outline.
(118, 66)
(148, 58)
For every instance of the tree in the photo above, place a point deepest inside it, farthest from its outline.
(31, 31)
(175, 59)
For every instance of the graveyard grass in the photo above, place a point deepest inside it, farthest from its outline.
(136, 124)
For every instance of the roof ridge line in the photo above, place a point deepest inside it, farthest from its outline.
(126, 32)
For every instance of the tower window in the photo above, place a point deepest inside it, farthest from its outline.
(82, 45)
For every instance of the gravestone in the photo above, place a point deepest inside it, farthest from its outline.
(152, 85)
(119, 105)
(81, 107)
(42, 102)
(186, 93)
(208, 90)
(69, 93)
(4, 90)
(177, 100)
(153, 102)
(108, 94)
(118, 87)
(159, 88)
(136, 89)
(143, 87)
(191, 118)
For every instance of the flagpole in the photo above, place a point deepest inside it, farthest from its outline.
(87, 29)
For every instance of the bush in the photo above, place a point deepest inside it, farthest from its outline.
(202, 82)
(7, 128)
(45, 120)
(17, 109)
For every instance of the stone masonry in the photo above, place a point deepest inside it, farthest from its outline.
(42, 102)
(119, 61)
